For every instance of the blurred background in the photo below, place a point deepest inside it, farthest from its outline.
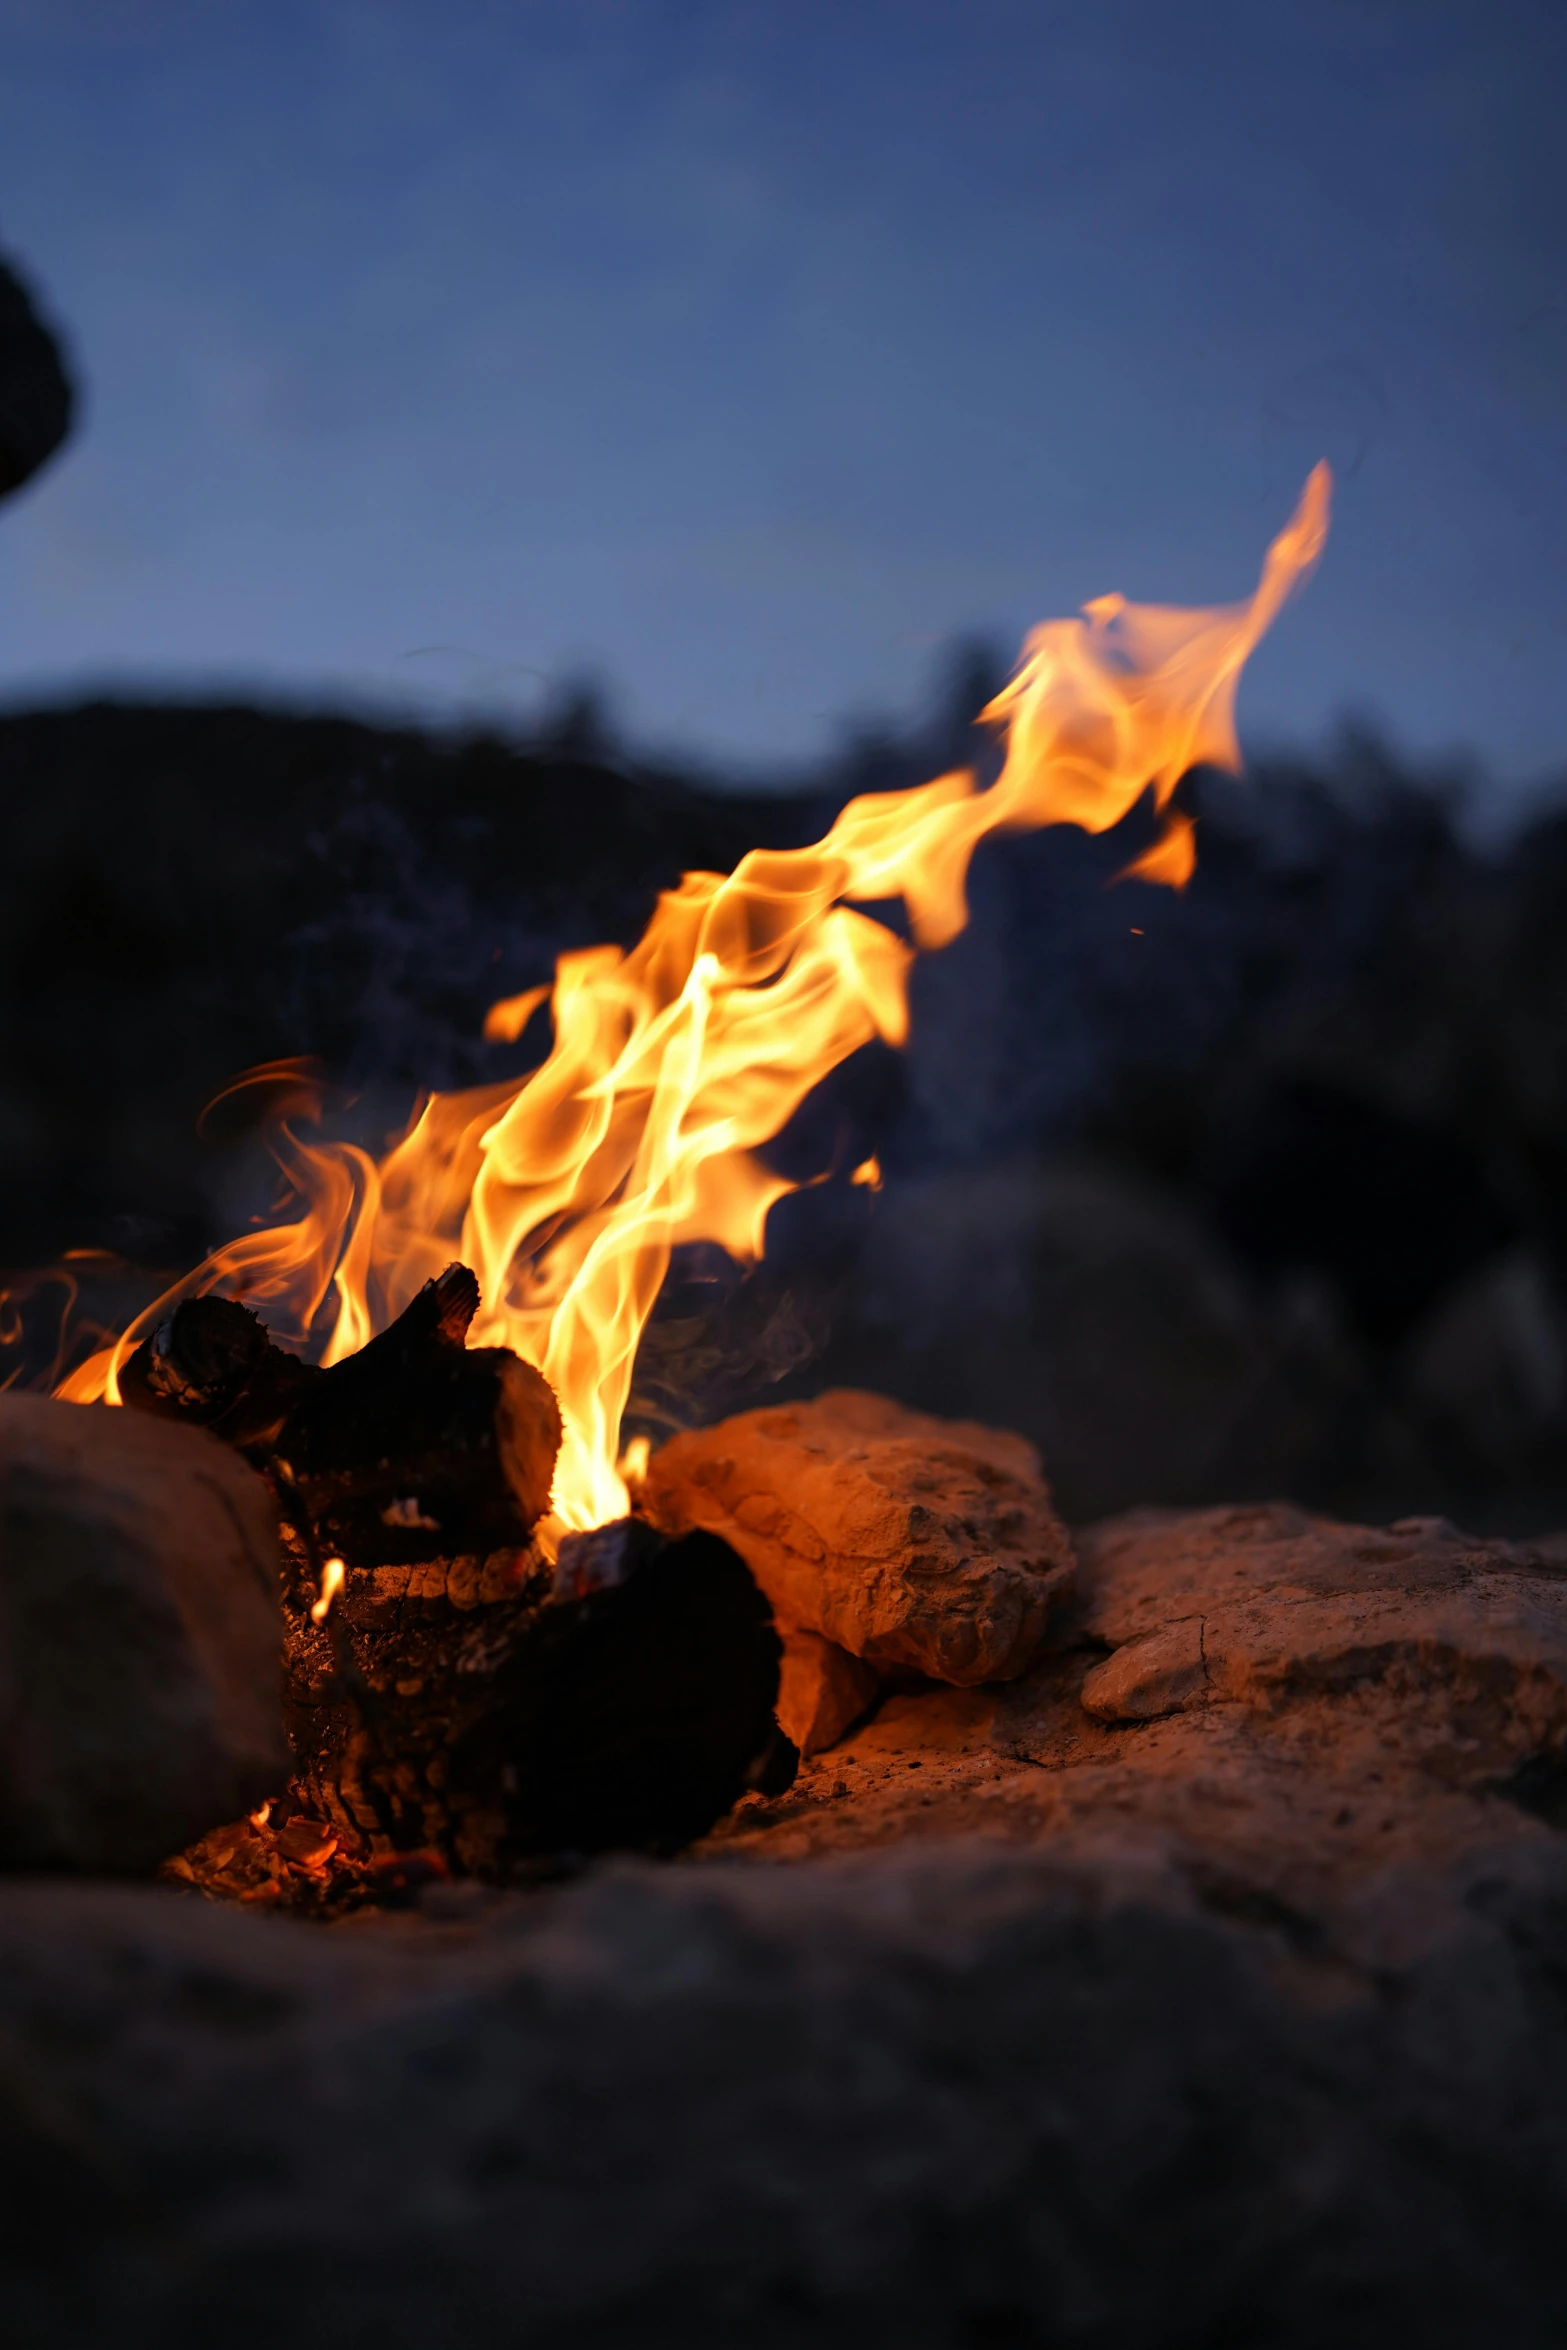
(463, 466)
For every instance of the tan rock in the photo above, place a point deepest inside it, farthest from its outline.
(1162, 1672)
(1269, 1606)
(914, 1543)
(822, 1690)
(1291, 1707)
(140, 1637)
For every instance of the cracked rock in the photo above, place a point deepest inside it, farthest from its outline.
(1271, 1608)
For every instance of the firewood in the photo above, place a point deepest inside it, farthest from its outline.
(419, 1447)
(505, 1709)
(212, 1365)
(415, 1447)
(459, 1693)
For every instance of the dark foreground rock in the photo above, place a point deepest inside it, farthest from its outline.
(950, 2096)
(140, 1637)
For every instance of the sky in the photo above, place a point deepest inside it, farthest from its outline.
(749, 356)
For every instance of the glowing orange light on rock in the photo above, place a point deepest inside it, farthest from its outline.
(674, 1062)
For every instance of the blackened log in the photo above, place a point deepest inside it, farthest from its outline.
(414, 1447)
(419, 1446)
(212, 1365)
(501, 1710)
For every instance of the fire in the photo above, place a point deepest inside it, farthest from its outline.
(673, 1063)
(332, 1573)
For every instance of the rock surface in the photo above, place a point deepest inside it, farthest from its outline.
(1298, 1704)
(916, 1544)
(822, 1690)
(1279, 1612)
(946, 2097)
(1013, 2022)
(140, 1634)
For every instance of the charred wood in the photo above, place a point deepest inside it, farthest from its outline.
(464, 1702)
(212, 1365)
(499, 1708)
(417, 1446)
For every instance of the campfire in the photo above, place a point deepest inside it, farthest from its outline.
(509, 1635)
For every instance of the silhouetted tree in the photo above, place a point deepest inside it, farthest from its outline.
(37, 397)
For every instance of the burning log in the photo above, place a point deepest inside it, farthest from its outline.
(454, 1694)
(212, 1365)
(417, 1446)
(490, 1710)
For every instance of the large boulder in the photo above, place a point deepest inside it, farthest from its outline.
(1095, 1311)
(943, 2097)
(915, 1544)
(140, 1637)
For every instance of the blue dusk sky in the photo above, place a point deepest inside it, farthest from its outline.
(746, 355)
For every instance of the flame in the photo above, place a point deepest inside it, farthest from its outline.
(633, 1462)
(504, 1022)
(332, 1573)
(1173, 857)
(674, 1062)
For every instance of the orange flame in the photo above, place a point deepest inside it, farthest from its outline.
(1173, 857)
(673, 1063)
(332, 1573)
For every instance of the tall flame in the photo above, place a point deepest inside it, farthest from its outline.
(672, 1063)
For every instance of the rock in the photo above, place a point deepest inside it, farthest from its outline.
(140, 1669)
(1157, 1674)
(36, 398)
(1486, 1372)
(943, 2096)
(916, 1544)
(822, 1689)
(1095, 1311)
(1009, 2022)
(1271, 1608)
(1291, 1705)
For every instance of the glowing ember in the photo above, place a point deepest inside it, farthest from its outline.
(672, 1064)
(332, 1573)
